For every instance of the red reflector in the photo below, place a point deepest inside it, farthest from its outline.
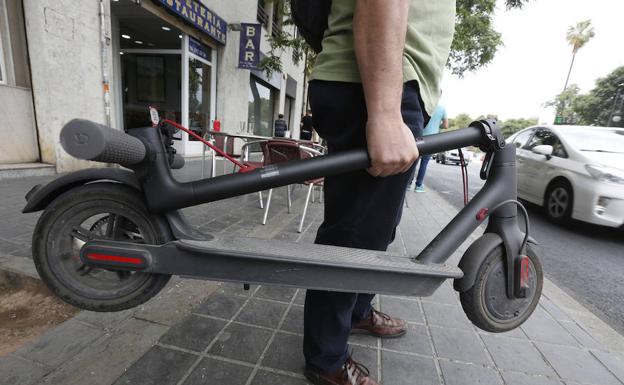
(482, 214)
(115, 258)
(525, 271)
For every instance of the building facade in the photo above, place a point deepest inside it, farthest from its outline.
(108, 60)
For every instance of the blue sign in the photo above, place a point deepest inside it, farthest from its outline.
(197, 15)
(249, 49)
(197, 48)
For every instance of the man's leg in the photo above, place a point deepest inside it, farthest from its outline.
(424, 161)
(361, 211)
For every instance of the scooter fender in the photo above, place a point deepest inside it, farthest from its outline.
(40, 196)
(473, 258)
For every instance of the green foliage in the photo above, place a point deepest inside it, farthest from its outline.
(474, 45)
(508, 127)
(598, 106)
(579, 34)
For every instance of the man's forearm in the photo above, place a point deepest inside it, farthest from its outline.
(379, 28)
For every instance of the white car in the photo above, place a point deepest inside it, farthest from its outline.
(452, 156)
(573, 171)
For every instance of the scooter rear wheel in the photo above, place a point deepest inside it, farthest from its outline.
(96, 211)
(486, 303)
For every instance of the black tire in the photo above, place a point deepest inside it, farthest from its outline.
(95, 211)
(486, 303)
(559, 201)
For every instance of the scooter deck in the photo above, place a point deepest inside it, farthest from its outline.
(262, 261)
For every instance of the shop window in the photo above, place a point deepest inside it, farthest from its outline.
(263, 15)
(262, 100)
(199, 87)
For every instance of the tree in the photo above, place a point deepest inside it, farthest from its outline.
(577, 36)
(603, 102)
(460, 121)
(474, 45)
(563, 102)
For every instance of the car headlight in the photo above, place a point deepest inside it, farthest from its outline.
(605, 174)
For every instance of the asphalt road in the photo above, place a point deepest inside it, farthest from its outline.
(587, 261)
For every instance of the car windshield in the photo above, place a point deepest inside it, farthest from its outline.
(597, 140)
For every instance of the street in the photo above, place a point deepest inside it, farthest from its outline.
(585, 260)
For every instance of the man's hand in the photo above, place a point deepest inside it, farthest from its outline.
(391, 146)
(379, 28)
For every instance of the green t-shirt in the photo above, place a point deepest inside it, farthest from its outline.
(428, 39)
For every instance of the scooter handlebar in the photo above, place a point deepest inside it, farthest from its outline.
(87, 140)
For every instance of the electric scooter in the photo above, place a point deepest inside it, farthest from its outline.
(110, 238)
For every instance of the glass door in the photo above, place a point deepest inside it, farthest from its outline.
(201, 92)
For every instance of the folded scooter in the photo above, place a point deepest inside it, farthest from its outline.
(110, 238)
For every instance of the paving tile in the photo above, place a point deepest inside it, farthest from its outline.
(542, 327)
(102, 362)
(415, 340)
(456, 344)
(194, 333)
(61, 343)
(580, 335)
(514, 333)
(211, 371)
(455, 373)
(445, 315)
(402, 369)
(300, 297)
(277, 293)
(285, 353)
(19, 371)
(264, 377)
(445, 294)
(262, 313)
(241, 342)
(160, 366)
(554, 310)
(175, 301)
(407, 309)
(236, 289)
(294, 320)
(220, 305)
(105, 321)
(363, 339)
(515, 378)
(612, 362)
(367, 357)
(518, 355)
(576, 364)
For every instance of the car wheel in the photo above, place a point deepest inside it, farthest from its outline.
(558, 202)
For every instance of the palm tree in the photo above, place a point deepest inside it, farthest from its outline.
(578, 35)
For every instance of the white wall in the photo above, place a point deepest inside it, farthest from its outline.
(64, 48)
(18, 143)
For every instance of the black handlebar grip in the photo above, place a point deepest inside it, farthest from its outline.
(87, 140)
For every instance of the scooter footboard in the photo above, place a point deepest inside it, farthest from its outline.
(261, 261)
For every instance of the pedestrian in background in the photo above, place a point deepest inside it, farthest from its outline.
(433, 127)
(280, 126)
(306, 126)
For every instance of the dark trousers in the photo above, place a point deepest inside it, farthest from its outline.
(361, 211)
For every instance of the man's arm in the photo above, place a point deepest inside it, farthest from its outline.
(379, 28)
(445, 124)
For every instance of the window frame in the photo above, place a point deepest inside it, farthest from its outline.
(3, 30)
(551, 132)
(530, 131)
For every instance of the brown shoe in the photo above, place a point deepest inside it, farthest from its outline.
(381, 325)
(351, 373)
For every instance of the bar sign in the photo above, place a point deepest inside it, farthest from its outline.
(249, 50)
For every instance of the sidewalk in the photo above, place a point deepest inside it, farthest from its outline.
(199, 332)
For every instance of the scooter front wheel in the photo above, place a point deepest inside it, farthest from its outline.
(96, 211)
(486, 303)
